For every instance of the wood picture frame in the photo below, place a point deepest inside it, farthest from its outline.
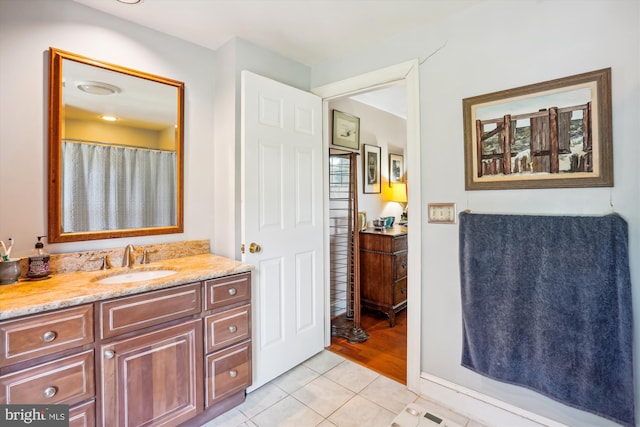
(371, 174)
(346, 130)
(554, 134)
(396, 168)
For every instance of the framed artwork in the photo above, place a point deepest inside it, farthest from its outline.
(396, 169)
(371, 169)
(555, 134)
(346, 130)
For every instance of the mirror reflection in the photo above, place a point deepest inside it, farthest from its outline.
(115, 151)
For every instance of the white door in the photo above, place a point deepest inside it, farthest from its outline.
(281, 198)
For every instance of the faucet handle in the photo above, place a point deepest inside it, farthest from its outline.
(145, 255)
(106, 261)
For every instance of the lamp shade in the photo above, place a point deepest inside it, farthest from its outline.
(398, 193)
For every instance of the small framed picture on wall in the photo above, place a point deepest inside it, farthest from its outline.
(396, 168)
(346, 130)
(371, 179)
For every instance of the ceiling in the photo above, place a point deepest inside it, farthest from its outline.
(307, 31)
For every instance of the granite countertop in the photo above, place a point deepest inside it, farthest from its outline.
(69, 289)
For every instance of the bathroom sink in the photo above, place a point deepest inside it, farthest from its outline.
(136, 276)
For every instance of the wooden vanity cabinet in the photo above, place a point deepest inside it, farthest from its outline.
(169, 357)
(175, 356)
(227, 341)
(49, 359)
(151, 357)
(383, 271)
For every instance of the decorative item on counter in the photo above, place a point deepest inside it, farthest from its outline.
(5, 254)
(388, 221)
(379, 223)
(9, 271)
(38, 262)
(362, 221)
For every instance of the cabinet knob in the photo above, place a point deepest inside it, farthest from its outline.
(233, 329)
(233, 373)
(49, 392)
(232, 291)
(109, 354)
(49, 336)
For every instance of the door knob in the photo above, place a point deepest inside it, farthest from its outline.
(254, 248)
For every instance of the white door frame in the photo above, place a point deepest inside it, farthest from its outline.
(409, 72)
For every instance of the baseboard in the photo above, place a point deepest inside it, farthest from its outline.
(479, 407)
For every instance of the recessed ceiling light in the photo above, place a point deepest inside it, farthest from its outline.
(109, 118)
(97, 88)
(130, 1)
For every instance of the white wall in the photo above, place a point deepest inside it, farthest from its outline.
(494, 46)
(231, 59)
(27, 30)
(383, 130)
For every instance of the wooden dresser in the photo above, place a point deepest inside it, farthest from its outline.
(383, 270)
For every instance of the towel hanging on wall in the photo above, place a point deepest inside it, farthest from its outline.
(546, 304)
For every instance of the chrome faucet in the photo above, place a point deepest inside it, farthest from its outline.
(129, 256)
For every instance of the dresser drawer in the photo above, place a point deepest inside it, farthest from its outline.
(400, 266)
(228, 327)
(400, 243)
(43, 334)
(228, 290)
(228, 372)
(65, 381)
(399, 291)
(136, 312)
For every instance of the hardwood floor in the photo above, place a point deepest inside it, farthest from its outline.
(386, 349)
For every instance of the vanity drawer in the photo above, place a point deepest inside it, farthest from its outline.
(228, 290)
(44, 334)
(228, 372)
(228, 327)
(65, 381)
(83, 415)
(152, 308)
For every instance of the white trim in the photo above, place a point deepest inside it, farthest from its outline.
(479, 407)
(409, 72)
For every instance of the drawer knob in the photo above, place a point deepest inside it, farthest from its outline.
(233, 329)
(49, 392)
(109, 354)
(233, 373)
(232, 291)
(49, 336)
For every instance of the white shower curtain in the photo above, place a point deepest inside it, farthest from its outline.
(112, 188)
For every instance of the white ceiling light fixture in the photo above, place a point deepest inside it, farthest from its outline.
(130, 1)
(97, 88)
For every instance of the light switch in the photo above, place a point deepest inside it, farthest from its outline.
(443, 213)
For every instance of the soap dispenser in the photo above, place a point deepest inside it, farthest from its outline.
(38, 262)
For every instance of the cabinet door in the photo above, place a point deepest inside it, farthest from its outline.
(153, 379)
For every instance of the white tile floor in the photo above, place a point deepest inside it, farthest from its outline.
(329, 391)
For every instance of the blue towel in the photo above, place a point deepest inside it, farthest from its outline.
(546, 304)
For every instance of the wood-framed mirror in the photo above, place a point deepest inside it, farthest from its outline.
(115, 151)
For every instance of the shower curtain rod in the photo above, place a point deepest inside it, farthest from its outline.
(113, 144)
